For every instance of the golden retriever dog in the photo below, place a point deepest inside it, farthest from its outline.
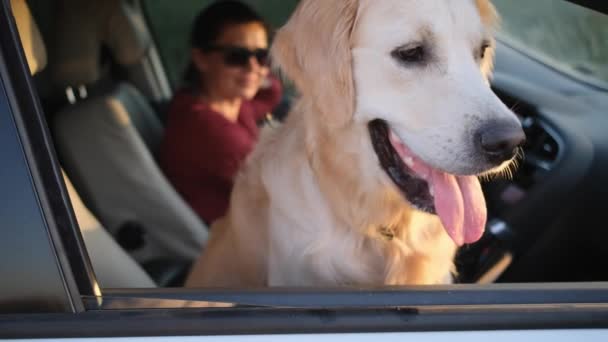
(372, 179)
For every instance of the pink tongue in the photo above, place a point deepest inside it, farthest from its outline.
(459, 201)
(460, 205)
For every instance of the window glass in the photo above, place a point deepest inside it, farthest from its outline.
(31, 281)
(571, 37)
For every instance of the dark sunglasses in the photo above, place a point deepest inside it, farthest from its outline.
(239, 56)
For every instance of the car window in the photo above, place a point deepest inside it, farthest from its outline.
(489, 260)
(497, 306)
(171, 26)
(569, 36)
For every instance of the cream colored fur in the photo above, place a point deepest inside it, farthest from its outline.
(308, 204)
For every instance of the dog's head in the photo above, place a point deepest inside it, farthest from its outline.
(416, 72)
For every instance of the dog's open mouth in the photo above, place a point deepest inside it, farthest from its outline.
(457, 200)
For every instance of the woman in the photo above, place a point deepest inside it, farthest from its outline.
(211, 126)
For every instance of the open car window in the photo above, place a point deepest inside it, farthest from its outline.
(540, 264)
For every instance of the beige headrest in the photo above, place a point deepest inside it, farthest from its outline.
(82, 27)
(33, 46)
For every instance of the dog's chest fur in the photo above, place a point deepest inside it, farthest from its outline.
(336, 257)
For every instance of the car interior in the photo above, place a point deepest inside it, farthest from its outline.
(104, 86)
(113, 266)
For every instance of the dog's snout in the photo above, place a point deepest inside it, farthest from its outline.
(499, 142)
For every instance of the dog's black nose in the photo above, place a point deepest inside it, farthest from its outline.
(499, 142)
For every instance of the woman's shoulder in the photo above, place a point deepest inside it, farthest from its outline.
(187, 105)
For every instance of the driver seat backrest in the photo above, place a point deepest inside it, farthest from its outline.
(107, 141)
(112, 266)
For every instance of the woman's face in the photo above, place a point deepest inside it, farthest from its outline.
(227, 71)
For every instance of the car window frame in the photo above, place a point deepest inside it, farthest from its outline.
(181, 312)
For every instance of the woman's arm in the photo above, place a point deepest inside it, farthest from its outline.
(267, 98)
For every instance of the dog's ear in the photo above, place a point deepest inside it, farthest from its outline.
(490, 19)
(489, 16)
(314, 51)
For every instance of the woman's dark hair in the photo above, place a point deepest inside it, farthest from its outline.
(211, 22)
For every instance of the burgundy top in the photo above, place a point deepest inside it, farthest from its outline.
(202, 150)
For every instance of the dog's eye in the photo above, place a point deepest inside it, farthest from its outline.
(484, 47)
(410, 55)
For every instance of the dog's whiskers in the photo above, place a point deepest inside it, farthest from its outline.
(514, 107)
(507, 170)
